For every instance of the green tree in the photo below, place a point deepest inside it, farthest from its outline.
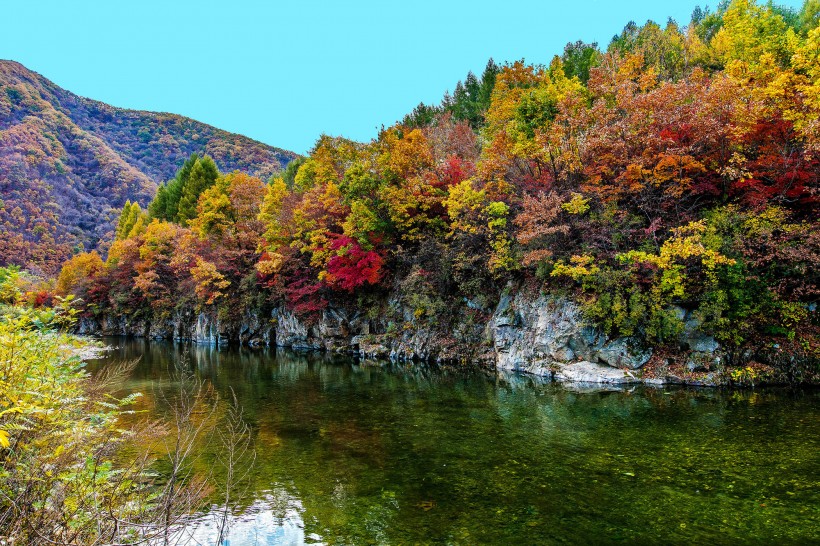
(203, 175)
(165, 205)
(421, 116)
(289, 174)
(809, 16)
(471, 98)
(578, 58)
(124, 215)
(157, 207)
(485, 92)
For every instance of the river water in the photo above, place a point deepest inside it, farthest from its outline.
(362, 454)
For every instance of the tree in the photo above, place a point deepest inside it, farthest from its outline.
(350, 266)
(289, 174)
(471, 98)
(124, 218)
(421, 116)
(132, 221)
(160, 267)
(809, 16)
(165, 205)
(79, 275)
(203, 175)
(749, 31)
(537, 226)
(579, 58)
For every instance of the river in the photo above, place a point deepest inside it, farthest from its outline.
(348, 453)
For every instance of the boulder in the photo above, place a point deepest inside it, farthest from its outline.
(589, 372)
(624, 353)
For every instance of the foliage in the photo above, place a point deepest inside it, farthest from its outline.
(77, 466)
(69, 164)
(58, 429)
(79, 274)
(674, 173)
(10, 285)
(351, 266)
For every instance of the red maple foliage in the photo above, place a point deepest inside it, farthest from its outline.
(353, 266)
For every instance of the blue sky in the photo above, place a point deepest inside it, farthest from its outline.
(286, 72)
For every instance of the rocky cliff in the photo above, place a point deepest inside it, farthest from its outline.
(529, 332)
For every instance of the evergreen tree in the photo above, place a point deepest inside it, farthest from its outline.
(165, 205)
(124, 213)
(471, 98)
(157, 207)
(176, 186)
(487, 84)
(421, 116)
(130, 216)
(174, 193)
(578, 58)
(202, 176)
(460, 99)
(289, 174)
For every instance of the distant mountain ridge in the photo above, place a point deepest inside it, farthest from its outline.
(68, 163)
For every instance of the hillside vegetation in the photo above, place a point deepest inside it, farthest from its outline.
(675, 170)
(68, 164)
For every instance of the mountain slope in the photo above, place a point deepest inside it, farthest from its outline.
(67, 164)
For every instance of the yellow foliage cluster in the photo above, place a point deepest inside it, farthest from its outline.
(686, 242)
(578, 268)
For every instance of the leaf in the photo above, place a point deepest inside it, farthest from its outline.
(4, 439)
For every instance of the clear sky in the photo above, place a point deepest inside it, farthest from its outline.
(286, 72)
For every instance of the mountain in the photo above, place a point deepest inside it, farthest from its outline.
(68, 164)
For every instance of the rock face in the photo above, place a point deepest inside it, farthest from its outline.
(547, 336)
(538, 334)
(624, 353)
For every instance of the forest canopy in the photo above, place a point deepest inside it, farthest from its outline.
(677, 168)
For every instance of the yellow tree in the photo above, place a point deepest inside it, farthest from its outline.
(749, 31)
(79, 274)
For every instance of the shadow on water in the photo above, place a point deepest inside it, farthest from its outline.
(352, 453)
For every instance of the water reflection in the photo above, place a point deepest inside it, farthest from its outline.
(352, 453)
(274, 518)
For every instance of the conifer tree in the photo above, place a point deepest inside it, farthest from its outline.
(124, 213)
(203, 175)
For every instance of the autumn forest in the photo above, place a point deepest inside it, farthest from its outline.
(676, 168)
(569, 303)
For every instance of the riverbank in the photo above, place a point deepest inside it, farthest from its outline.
(526, 331)
(73, 468)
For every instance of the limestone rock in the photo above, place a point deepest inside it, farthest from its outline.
(589, 372)
(530, 333)
(624, 352)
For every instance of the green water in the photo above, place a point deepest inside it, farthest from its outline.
(351, 454)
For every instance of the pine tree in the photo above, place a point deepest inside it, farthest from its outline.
(157, 207)
(126, 211)
(166, 201)
(203, 175)
(487, 85)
